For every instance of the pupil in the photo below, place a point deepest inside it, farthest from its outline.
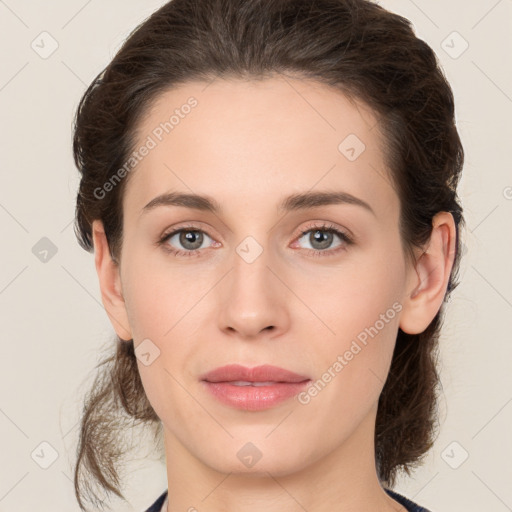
(188, 237)
(319, 235)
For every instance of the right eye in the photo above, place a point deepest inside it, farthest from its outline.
(190, 238)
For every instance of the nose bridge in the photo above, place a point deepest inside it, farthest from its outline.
(252, 299)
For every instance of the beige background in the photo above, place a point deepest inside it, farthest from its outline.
(53, 322)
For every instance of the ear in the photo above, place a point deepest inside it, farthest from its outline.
(428, 280)
(110, 283)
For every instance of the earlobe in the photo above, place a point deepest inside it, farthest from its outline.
(110, 283)
(428, 280)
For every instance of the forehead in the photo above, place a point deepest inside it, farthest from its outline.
(254, 141)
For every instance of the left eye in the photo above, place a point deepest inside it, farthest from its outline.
(322, 238)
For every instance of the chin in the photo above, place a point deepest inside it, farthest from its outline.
(255, 455)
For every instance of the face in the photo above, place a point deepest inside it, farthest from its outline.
(277, 274)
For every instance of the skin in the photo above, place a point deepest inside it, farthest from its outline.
(248, 145)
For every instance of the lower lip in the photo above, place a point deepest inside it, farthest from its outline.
(254, 398)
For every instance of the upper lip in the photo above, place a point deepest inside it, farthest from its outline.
(264, 373)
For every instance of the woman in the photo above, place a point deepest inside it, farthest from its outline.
(269, 188)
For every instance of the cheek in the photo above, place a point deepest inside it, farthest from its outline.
(354, 362)
(163, 308)
(158, 297)
(364, 296)
(362, 311)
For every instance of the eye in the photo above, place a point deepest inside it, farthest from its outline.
(321, 239)
(189, 238)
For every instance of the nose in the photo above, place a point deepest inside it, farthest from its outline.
(253, 299)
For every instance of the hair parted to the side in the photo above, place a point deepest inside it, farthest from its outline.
(356, 46)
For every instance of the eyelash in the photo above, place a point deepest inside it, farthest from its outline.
(325, 227)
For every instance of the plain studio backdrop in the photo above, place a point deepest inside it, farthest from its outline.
(53, 323)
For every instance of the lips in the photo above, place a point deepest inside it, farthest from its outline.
(266, 373)
(253, 389)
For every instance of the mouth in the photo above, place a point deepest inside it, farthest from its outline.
(253, 389)
(261, 374)
(247, 383)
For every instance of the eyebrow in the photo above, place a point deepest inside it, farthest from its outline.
(294, 202)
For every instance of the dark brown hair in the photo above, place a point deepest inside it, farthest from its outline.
(356, 46)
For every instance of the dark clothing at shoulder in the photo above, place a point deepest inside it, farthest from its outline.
(158, 503)
(407, 503)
